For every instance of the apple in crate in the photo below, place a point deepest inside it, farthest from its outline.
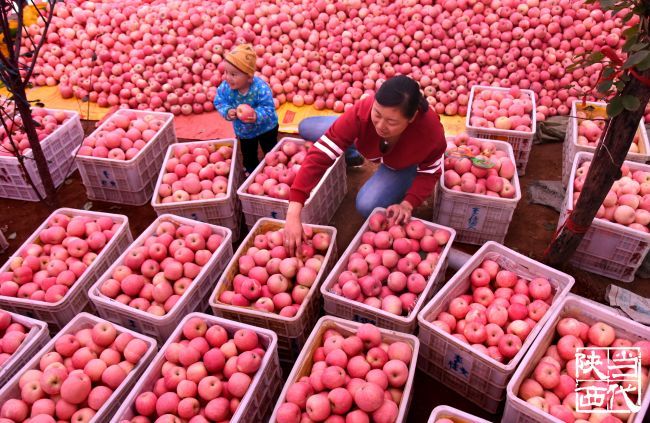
(551, 386)
(391, 266)
(505, 110)
(46, 123)
(78, 376)
(356, 377)
(12, 335)
(269, 280)
(245, 112)
(46, 269)
(206, 372)
(498, 312)
(155, 275)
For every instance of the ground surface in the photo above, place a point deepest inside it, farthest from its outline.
(531, 230)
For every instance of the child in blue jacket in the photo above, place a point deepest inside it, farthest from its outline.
(241, 86)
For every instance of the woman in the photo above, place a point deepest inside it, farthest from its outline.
(396, 128)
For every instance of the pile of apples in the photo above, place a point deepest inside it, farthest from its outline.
(46, 123)
(205, 375)
(462, 175)
(509, 110)
(551, 386)
(589, 131)
(46, 268)
(155, 275)
(12, 335)
(122, 136)
(72, 382)
(198, 172)
(354, 378)
(271, 281)
(281, 168)
(392, 265)
(626, 203)
(498, 311)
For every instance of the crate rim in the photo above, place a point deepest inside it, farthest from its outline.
(508, 131)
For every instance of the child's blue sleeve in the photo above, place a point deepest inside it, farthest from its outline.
(221, 101)
(264, 107)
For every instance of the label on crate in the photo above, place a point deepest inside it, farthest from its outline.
(476, 218)
(362, 319)
(459, 363)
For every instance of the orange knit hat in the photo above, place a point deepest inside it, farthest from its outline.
(243, 57)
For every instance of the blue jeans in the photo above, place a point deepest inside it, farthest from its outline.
(384, 188)
(312, 128)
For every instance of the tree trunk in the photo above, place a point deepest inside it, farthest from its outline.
(605, 169)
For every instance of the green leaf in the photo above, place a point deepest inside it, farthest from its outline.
(615, 106)
(636, 58)
(607, 4)
(630, 102)
(595, 57)
(638, 46)
(627, 46)
(644, 65)
(627, 17)
(605, 86)
(631, 31)
(608, 72)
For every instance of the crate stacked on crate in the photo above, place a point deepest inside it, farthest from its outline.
(493, 126)
(319, 208)
(110, 385)
(163, 275)
(476, 372)
(446, 414)
(476, 216)
(33, 338)
(216, 199)
(422, 268)
(610, 248)
(293, 327)
(127, 172)
(392, 402)
(257, 387)
(584, 130)
(57, 147)
(581, 321)
(64, 225)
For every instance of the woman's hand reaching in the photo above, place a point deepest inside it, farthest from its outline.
(399, 214)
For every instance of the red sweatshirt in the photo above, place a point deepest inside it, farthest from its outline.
(422, 144)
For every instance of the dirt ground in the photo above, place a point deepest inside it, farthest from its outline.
(530, 231)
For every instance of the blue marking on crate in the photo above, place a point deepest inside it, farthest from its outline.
(362, 319)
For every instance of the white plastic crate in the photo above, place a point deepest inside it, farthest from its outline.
(304, 362)
(225, 211)
(338, 305)
(608, 248)
(518, 410)
(262, 392)
(521, 142)
(128, 181)
(474, 375)
(476, 218)
(571, 147)
(37, 336)
(292, 332)
(57, 315)
(83, 321)
(319, 208)
(193, 299)
(57, 149)
(458, 416)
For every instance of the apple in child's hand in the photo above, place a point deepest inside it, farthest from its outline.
(245, 113)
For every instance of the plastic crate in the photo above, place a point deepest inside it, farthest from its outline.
(37, 336)
(262, 392)
(292, 331)
(83, 321)
(193, 299)
(521, 142)
(57, 315)
(476, 218)
(225, 211)
(128, 181)
(319, 207)
(571, 147)
(57, 149)
(458, 416)
(608, 248)
(345, 327)
(474, 375)
(346, 308)
(518, 410)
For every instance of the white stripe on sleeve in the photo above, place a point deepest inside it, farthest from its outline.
(325, 150)
(331, 145)
(432, 171)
